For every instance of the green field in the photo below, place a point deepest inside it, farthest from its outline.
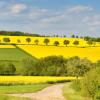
(70, 94)
(19, 89)
(22, 88)
(12, 54)
(4, 97)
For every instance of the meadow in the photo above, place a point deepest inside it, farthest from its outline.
(12, 54)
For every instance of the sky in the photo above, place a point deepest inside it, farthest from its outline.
(49, 17)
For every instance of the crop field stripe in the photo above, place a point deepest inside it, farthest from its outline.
(13, 54)
(23, 51)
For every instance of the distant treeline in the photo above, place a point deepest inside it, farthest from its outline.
(17, 33)
(87, 38)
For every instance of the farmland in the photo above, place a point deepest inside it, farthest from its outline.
(91, 53)
(29, 64)
(82, 50)
(11, 54)
(32, 79)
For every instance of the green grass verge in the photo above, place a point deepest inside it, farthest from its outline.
(4, 97)
(22, 88)
(71, 94)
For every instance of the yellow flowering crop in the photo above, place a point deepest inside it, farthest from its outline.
(7, 46)
(14, 40)
(92, 53)
(32, 79)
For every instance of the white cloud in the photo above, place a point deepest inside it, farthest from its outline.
(17, 8)
(80, 9)
(93, 20)
(78, 18)
(37, 12)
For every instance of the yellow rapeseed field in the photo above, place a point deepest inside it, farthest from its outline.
(7, 46)
(32, 79)
(14, 40)
(91, 53)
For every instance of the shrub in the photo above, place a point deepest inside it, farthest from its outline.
(7, 69)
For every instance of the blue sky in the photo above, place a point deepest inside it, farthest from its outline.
(81, 17)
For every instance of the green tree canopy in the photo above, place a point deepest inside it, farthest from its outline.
(56, 43)
(46, 41)
(66, 42)
(76, 42)
(36, 41)
(28, 40)
(6, 40)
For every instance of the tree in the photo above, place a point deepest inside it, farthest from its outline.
(56, 43)
(6, 40)
(66, 42)
(76, 42)
(90, 42)
(7, 69)
(76, 36)
(64, 35)
(36, 42)
(29, 67)
(73, 36)
(46, 41)
(18, 41)
(28, 40)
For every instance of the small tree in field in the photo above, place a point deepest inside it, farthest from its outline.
(73, 36)
(18, 41)
(76, 42)
(28, 40)
(89, 42)
(7, 69)
(6, 40)
(56, 43)
(36, 42)
(46, 41)
(66, 42)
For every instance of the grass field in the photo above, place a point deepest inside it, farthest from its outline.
(22, 88)
(92, 53)
(18, 89)
(71, 94)
(12, 54)
(4, 97)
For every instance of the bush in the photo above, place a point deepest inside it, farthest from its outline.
(90, 84)
(28, 67)
(7, 69)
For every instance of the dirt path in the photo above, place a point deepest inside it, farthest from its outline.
(50, 93)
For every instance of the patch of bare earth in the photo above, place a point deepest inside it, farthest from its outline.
(50, 93)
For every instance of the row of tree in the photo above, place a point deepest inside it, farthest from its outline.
(46, 41)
